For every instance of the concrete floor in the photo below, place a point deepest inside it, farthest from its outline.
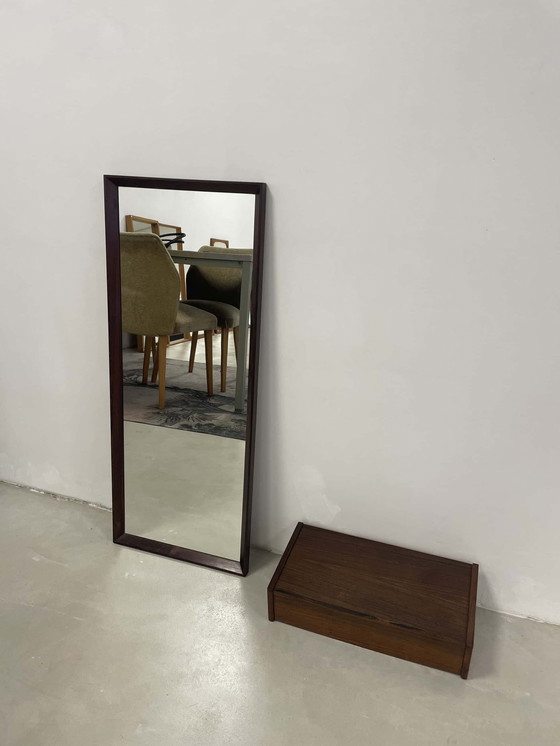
(104, 645)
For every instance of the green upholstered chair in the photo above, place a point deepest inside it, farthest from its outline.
(150, 288)
(217, 290)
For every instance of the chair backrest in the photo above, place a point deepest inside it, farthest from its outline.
(149, 285)
(215, 283)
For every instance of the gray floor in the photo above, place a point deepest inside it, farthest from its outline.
(103, 645)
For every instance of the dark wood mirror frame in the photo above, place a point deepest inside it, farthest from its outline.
(112, 231)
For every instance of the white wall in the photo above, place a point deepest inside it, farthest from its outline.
(410, 382)
(201, 215)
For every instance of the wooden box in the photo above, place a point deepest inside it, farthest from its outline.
(396, 601)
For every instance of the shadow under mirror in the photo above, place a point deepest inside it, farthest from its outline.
(188, 302)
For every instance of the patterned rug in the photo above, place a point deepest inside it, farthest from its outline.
(187, 405)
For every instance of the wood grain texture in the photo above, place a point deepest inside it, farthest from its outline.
(409, 604)
(260, 191)
(112, 242)
(359, 630)
(278, 572)
(470, 623)
(180, 553)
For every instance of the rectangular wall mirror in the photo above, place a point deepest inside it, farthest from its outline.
(184, 318)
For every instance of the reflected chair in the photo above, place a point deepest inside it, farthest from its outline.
(217, 290)
(150, 289)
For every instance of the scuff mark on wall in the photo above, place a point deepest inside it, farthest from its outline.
(311, 491)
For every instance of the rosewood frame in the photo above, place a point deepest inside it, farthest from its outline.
(112, 231)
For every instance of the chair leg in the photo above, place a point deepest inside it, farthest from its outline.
(146, 366)
(209, 371)
(194, 340)
(162, 351)
(156, 360)
(235, 338)
(225, 338)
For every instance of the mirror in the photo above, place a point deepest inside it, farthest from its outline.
(184, 268)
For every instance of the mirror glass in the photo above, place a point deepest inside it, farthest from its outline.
(186, 274)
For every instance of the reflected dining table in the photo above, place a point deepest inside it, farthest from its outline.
(244, 262)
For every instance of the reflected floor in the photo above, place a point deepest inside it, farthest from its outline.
(184, 488)
(187, 406)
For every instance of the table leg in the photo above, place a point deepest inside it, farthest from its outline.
(241, 378)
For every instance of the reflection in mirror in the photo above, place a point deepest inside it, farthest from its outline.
(186, 333)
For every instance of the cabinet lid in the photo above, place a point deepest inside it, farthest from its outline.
(388, 584)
